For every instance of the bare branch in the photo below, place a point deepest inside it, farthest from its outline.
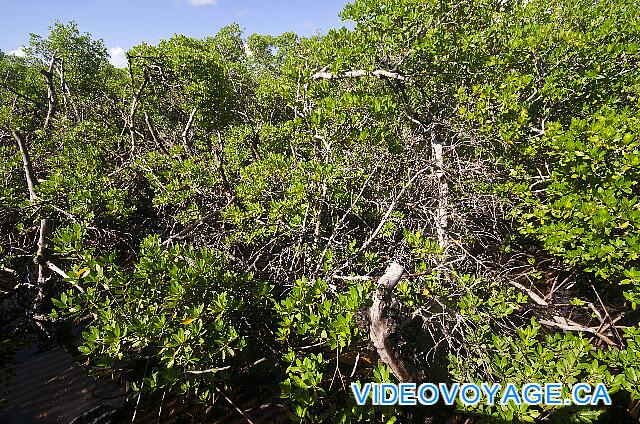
(42, 255)
(352, 277)
(219, 155)
(208, 371)
(441, 218)
(614, 330)
(379, 73)
(134, 106)
(185, 132)
(232, 403)
(28, 168)
(189, 228)
(51, 93)
(154, 134)
(53, 267)
(537, 299)
(390, 209)
(8, 270)
(64, 87)
(568, 325)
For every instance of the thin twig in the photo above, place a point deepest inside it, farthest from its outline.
(390, 209)
(240, 411)
(614, 330)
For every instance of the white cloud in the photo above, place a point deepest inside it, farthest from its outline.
(308, 25)
(19, 52)
(202, 2)
(118, 57)
(241, 12)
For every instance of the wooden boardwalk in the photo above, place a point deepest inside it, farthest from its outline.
(49, 387)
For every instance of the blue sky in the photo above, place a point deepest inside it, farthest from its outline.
(125, 23)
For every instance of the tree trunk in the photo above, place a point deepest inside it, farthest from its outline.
(382, 325)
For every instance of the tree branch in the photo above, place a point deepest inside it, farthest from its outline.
(209, 371)
(185, 132)
(28, 168)
(568, 325)
(51, 93)
(382, 324)
(134, 106)
(189, 228)
(390, 209)
(219, 155)
(154, 134)
(66, 93)
(379, 73)
(537, 299)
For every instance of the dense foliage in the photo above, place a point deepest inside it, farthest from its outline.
(217, 213)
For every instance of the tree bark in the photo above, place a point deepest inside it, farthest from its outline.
(41, 259)
(382, 325)
(42, 255)
(28, 168)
